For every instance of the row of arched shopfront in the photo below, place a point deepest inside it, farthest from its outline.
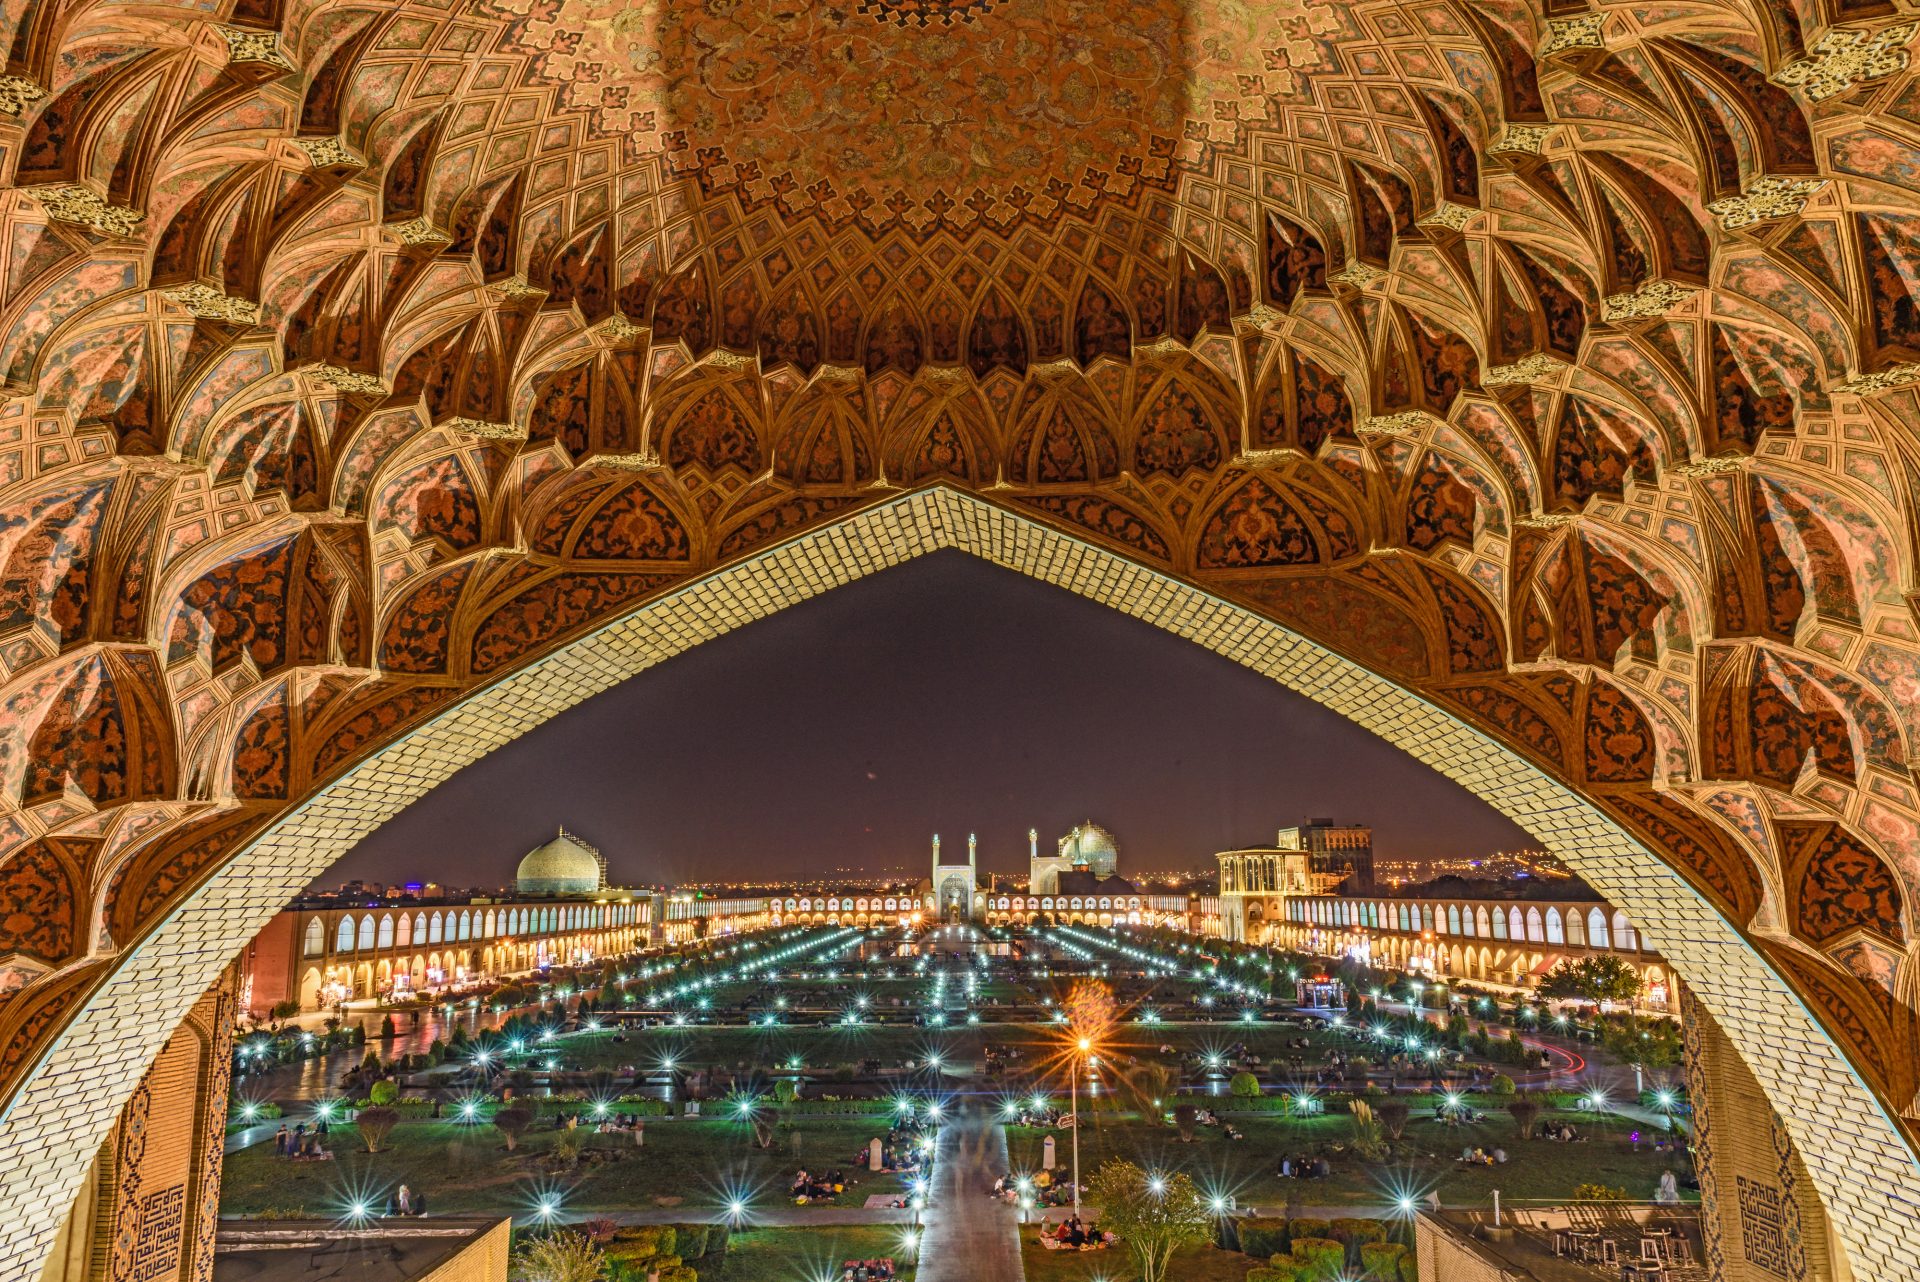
(1504, 943)
(394, 952)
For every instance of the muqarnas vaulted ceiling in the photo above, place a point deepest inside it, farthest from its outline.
(1559, 364)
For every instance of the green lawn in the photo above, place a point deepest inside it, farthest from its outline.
(466, 1169)
(1194, 1264)
(1424, 1161)
(825, 1050)
(809, 1255)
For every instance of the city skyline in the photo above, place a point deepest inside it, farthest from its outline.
(946, 695)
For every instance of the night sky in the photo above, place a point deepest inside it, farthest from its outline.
(945, 694)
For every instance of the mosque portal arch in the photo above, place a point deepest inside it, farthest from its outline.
(1818, 1096)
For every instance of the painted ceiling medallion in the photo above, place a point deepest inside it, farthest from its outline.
(813, 107)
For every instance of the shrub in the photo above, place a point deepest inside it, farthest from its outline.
(568, 1145)
(374, 1125)
(387, 1029)
(1598, 1193)
(1244, 1086)
(1319, 1259)
(646, 1241)
(1381, 1261)
(1184, 1116)
(563, 1257)
(1356, 1232)
(1281, 1270)
(1297, 1229)
(689, 1241)
(1393, 1115)
(285, 1010)
(1261, 1237)
(1502, 1085)
(786, 1090)
(383, 1093)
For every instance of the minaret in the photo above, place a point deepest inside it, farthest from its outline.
(936, 861)
(973, 856)
(1033, 844)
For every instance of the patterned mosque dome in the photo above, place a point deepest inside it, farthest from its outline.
(564, 866)
(1092, 845)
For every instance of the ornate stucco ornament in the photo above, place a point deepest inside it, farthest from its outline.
(1547, 520)
(1267, 458)
(1357, 274)
(840, 373)
(72, 203)
(1842, 59)
(1259, 317)
(1710, 466)
(619, 329)
(203, 300)
(260, 47)
(352, 382)
(1449, 215)
(1062, 368)
(1528, 369)
(485, 429)
(1568, 34)
(644, 461)
(16, 92)
(1405, 423)
(721, 358)
(1764, 198)
(1524, 140)
(329, 153)
(417, 231)
(517, 287)
(1883, 380)
(1654, 298)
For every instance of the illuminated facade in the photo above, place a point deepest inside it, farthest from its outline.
(319, 956)
(1495, 941)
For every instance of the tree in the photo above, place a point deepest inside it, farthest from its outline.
(1597, 979)
(1155, 1215)
(1148, 1086)
(1393, 1115)
(1184, 1117)
(386, 1027)
(511, 1123)
(1244, 1086)
(383, 1092)
(563, 1257)
(1525, 1111)
(374, 1125)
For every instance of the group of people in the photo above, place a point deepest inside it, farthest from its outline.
(1561, 1133)
(867, 1270)
(1480, 1157)
(822, 1188)
(1072, 1235)
(302, 1144)
(1044, 1188)
(1305, 1168)
(405, 1201)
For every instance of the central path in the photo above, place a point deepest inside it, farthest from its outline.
(970, 1237)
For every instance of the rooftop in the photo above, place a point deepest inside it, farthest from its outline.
(323, 1251)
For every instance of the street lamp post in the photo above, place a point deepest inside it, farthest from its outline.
(1085, 1046)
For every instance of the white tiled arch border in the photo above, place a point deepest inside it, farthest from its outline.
(1865, 1174)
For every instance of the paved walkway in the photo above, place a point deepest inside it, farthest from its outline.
(970, 1237)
